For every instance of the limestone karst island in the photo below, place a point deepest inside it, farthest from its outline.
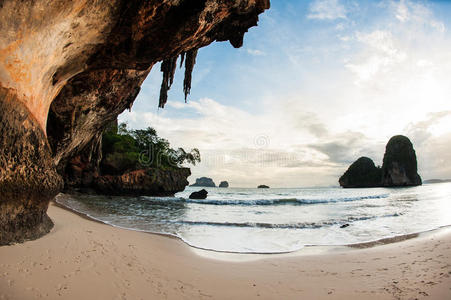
(399, 168)
(240, 149)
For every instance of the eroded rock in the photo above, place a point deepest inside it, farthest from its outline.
(202, 194)
(204, 181)
(28, 179)
(400, 163)
(224, 184)
(362, 173)
(399, 168)
(85, 61)
(152, 182)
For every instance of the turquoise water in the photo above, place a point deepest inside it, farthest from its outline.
(276, 220)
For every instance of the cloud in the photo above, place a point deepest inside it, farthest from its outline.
(431, 139)
(255, 52)
(381, 55)
(327, 10)
(321, 97)
(406, 11)
(340, 27)
(239, 144)
(344, 148)
(434, 157)
(406, 47)
(422, 131)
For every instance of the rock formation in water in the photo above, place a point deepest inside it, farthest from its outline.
(224, 184)
(202, 194)
(262, 186)
(129, 162)
(81, 175)
(68, 68)
(204, 181)
(362, 173)
(399, 168)
(155, 182)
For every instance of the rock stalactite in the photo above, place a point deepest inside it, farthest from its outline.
(168, 67)
(182, 59)
(68, 68)
(189, 67)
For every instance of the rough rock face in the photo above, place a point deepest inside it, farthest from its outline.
(362, 173)
(85, 61)
(400, 163)
(83, 174)
(399, 168)
(153, 182)
(85, 105)
(28, 179)
(204, 181)
(224, 184)
(202, 194)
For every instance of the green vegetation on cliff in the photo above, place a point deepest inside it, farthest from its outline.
(125, 150)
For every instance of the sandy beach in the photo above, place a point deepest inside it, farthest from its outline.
(84, 259)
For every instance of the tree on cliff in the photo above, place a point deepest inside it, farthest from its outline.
(125, 150)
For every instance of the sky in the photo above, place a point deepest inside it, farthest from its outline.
(316, 85)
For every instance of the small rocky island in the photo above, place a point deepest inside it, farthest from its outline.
(399, 168)
(262, 186)
(224, 184)
(202, 194)
(204, 182)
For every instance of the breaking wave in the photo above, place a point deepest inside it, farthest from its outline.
(250, 202)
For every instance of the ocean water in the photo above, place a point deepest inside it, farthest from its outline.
(275, 220)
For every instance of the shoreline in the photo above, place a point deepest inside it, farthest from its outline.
(309, 249)
(81, 259)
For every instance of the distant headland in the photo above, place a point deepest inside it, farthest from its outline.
(204, 182)
(436, 180)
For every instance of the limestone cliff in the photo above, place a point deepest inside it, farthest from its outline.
(68, 68)
(362, 173)
(155, 182)
(399, 168)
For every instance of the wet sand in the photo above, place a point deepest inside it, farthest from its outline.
(83, 259)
